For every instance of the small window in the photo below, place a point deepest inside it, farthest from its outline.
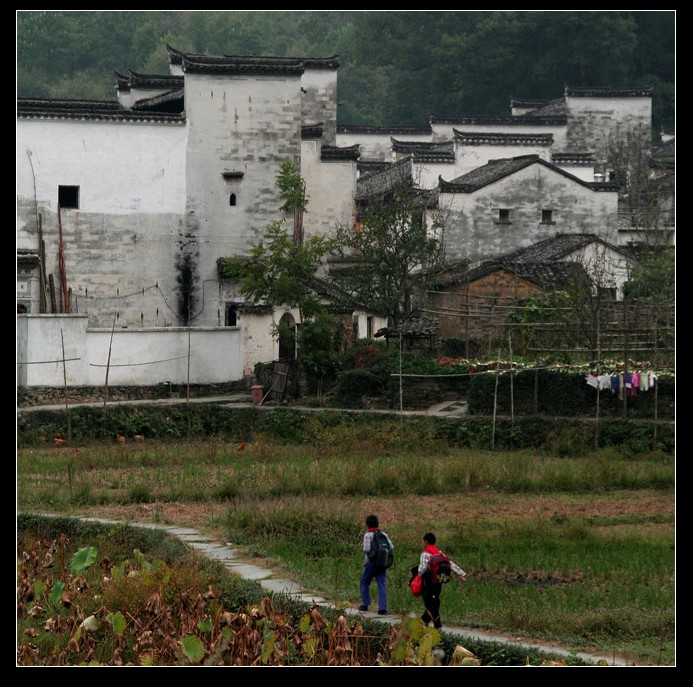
(503, 216)
(547, 217)
(68, 197)
(231, 319)
(232, 200)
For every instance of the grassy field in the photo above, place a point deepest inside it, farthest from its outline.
(579, 551)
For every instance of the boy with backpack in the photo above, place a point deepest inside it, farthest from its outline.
(378, 551)
(436, 569)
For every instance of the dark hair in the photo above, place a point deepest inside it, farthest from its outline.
(372, 521)
(429, 537)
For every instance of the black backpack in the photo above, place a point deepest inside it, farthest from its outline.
(380, 554)
(440, 568)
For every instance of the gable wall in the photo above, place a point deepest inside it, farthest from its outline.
(473, 231)
(319, 102)
(330, 186)
(249, 125)
(118, 244)
(592, 122)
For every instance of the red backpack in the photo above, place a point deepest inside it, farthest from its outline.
(440, 568)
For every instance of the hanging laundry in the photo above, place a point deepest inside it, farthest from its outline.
(615, 380)
(634, 384)
(604, 382)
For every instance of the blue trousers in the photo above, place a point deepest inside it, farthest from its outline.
(369, 572)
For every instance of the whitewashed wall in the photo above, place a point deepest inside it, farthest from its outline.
(137, 358)
(119, 243)
(470, 157)
(330, 186)
(473, 231)
(377, 146)
(444, 130)
(593, 121)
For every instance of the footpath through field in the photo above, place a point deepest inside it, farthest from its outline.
(233, 560)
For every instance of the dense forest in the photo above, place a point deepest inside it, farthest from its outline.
(396, 67)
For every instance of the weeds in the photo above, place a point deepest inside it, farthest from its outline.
(561, 569)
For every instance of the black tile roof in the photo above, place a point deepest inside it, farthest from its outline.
(339, 299)
(328, 153)
(591, 92)
(311, 131)
(202, 63)
(384, 130)
(494, 170)
(586, 159)
(97, 110)
(27, 258)
(528, 103)
(413, 327)
(423, 151)
(136, 80)
(517, 120)
(385, 180)
(475, 138)
(558, 247)
(321, 62)
(172, 101)
(242, 65)
(548, 275)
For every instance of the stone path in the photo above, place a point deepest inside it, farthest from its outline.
(273, 584)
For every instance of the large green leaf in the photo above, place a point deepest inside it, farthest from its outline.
(193, 648)
(82, 559)
(117, 621)
(56, 593)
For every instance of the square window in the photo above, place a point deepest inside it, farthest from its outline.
(547, 216)
(503, 216)
(68, 197)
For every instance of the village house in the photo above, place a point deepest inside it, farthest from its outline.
(473, 305)
(125, 207)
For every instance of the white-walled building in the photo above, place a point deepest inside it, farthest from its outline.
(512, 203)
(125, 207)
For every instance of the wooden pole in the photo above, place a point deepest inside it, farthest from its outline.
(495, 403)
(67, 409)
(108, 362)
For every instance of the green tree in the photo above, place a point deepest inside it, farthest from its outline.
(389, 252)
(654, 277)
(646, 200)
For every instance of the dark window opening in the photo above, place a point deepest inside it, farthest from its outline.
(547, 217)
(231, 318)
(232, 200)
(503, 216)
(287, 337)
(369, 327)
(68, 197)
